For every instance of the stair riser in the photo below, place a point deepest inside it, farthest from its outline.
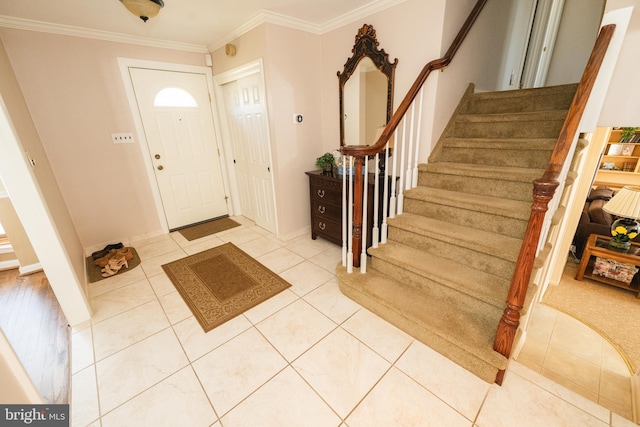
(456, 297)
(520, 104)
(9, 256)
(508, 129)
(522, 191)
(466, 256)
(466, 218)
(482, 156)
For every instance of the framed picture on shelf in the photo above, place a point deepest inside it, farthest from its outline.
(627, 150)
(614, 150)
(608, 166)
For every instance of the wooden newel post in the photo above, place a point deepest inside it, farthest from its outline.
(542, 193)
(358, 184)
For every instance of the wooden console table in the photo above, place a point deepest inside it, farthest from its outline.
(325, 194)
(598, 246)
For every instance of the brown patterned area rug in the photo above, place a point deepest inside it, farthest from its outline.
(221, 283)
(207, 228)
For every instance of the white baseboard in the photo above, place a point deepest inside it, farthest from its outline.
(9, 265)
(297, 233)
(30, 269)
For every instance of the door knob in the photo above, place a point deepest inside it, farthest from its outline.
(157, 156)
(160, 167)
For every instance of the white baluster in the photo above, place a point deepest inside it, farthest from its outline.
(392, 199)
(365, 199)
(414, 183)
(385, 196)
(401, 183)
(407, 185)
(350, 221)
(375, 231)
(344, 212)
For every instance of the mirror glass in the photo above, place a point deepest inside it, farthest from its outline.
(366, 90)
(365, 104)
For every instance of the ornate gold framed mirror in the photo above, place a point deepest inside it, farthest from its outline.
(366, 90)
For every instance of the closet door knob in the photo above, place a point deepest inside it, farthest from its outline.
(160, 167)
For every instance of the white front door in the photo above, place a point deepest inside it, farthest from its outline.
(178, 123)
(245, 109)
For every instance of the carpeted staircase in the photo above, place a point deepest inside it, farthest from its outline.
(444, 273)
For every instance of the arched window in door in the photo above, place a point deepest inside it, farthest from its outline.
(174, 97)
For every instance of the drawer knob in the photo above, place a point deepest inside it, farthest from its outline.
(322, 226)
(322, 209)
(321, 193)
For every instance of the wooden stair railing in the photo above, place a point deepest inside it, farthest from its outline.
(543, 192)
(361, 152)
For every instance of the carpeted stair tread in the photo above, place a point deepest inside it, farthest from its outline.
(493, 205)
(466, 337)
(498, 245)
(485, 287)
(503, 173)
(531, 116)
(519, 144)
(556, 98)
(569, 89)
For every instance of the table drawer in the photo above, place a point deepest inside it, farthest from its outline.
(326, 228)
(326, 195)
(320, 209)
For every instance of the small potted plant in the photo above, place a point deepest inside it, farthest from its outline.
(326, 162)
(627, 134)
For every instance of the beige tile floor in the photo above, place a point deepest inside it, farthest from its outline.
(306, 357)
(570, 353)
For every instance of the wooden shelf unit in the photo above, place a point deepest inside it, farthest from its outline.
(620, 162)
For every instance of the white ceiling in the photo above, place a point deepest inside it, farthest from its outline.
(197, 22)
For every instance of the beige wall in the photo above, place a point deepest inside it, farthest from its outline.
(17, 387)
(16, 234)
(478, 60)
(75, 94)
(291, 86)
(15, 231)
(577, 34)
(34, 191)
(43, 173)
(622, 104)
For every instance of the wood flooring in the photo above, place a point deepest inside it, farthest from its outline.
(34, 324)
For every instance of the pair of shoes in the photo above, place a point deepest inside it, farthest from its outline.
(106, 250)
(114, 265)
(114, 253)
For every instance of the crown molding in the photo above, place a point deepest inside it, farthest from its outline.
(69, 30)
(358, 14)
(265, 16)
(262, 17)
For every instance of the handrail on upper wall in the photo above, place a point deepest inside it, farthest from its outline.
(436, 64)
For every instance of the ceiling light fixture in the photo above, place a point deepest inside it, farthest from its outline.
(145, 9)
